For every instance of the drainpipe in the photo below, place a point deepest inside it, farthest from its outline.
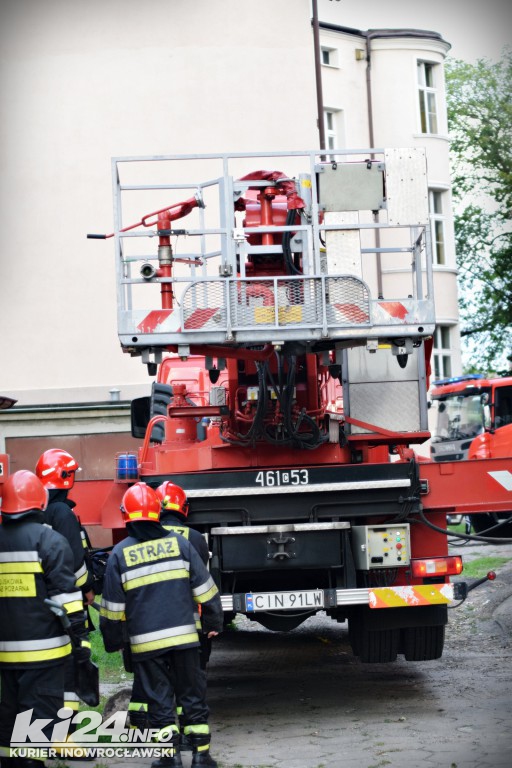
(369, 102)
(318, 77)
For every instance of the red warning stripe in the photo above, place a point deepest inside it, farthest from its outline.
(353, 313)
(199, 318)
(394, 308)
(151, 321)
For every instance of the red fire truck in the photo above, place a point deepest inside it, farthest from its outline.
(292, 377)
(474, 421)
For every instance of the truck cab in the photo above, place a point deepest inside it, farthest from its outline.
(474, 418)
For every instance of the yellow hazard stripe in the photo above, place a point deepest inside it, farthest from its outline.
(165, 642)
(197, 728)
(74, 606)
(154, 578)
(32, 567)
(112, 615)
(81, 581)
(400, 597)
(12, 657)
(206, 595)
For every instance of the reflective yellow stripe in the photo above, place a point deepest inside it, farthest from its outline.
(74, 606)
(181, 529)
(166, 642)
(198, 728)
(206, 595)
(81, 581)
(112, 615)
(21, 567)
(137, 706)
(18, 585)
(163, 733)
(11, 657)
(74, 705)
(85, 644)
(153, 578)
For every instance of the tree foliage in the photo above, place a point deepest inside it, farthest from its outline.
(480, 125)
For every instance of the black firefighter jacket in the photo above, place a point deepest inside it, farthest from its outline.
(175, 524)
(149, 596)
(60, 516)
(35, 563)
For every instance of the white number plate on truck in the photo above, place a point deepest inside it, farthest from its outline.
(278, 601)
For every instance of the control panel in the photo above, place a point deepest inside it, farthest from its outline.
(381, 546)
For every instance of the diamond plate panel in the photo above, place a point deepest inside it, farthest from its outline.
(391, 405)
(343, 246)
(406, 186)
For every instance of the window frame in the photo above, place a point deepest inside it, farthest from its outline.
(438, 221)
(427, 94)
(331, 133)
(442, 352)
(332, 54)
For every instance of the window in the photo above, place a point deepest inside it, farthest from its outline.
(329, 57)
(442, 353)
(437, 225)
(331, 134)
(503, 406)
(428, 96)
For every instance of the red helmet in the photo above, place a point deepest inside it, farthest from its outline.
(173, 498)
(21, 493)
(56, 469)
(140, 502)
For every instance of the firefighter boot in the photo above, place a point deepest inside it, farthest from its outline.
(163, 737)
(199, 737)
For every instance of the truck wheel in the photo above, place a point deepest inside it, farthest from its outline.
(378, 646)
(423, 643)
(481, 523)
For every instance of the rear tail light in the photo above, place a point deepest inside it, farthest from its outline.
(437, 566)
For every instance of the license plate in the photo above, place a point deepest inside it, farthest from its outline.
(279, 601)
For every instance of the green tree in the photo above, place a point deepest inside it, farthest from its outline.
(479, 98)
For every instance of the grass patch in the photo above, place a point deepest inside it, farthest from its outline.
(110, 664)
(479, 567)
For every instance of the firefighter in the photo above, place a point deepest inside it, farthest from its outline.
(173, 517)
(152, 581)
(56, 469)
(35, 563)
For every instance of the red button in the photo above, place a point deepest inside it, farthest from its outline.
(399, 546)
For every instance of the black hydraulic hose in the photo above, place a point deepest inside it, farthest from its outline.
(507, 521)
(287, 251)
(469, 537)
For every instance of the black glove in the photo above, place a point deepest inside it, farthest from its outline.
(82, 652)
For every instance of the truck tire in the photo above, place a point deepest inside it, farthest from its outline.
(482, 523)
(423, 643)
(377, 646)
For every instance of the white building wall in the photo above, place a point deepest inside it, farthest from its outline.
(82, 82)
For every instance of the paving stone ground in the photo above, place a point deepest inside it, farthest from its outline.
(301, 700)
